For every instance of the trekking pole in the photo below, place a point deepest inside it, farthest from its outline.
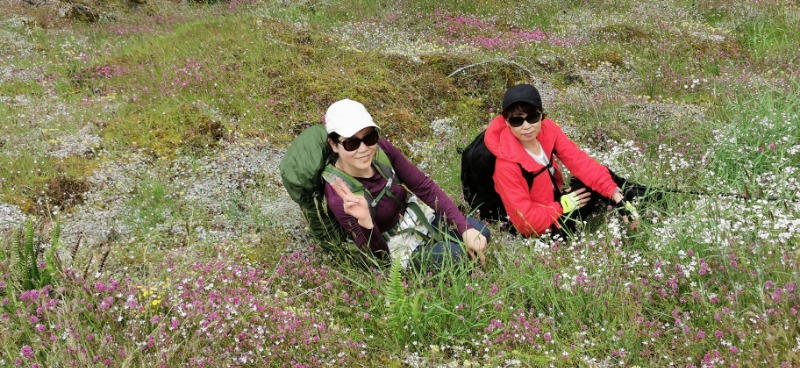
(723, 194)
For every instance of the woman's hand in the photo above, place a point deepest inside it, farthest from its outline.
(580, 197)
(629, 213)
(476, 244)
(354, 205)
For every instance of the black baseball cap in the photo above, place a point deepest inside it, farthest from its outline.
(522, 93)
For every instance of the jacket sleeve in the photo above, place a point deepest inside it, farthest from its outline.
(368, 240)
(528, 216)
(581, 165)
(425, 188)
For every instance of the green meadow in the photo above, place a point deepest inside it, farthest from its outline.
(143, 221)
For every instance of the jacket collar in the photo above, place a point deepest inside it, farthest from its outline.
(502, 143)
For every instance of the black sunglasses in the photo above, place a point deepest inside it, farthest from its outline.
(517, 121)
(352, 143)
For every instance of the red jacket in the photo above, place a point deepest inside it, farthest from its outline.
(534, 211)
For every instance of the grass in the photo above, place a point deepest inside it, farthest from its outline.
(157, 132)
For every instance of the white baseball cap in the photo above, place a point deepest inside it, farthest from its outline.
(347, 117)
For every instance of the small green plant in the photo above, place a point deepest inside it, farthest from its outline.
(28, 272)
(396, 301)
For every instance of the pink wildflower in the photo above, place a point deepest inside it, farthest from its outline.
(26, 352)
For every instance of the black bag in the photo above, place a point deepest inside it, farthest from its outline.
(477, 168)
(477, 182)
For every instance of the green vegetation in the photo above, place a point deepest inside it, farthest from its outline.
(146, 137)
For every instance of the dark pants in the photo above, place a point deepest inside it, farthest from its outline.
(569, 221)
(433, 255)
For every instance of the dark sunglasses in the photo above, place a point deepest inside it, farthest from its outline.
(517, 121)
(352, 143)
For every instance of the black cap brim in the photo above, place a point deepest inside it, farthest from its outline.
(522, 93)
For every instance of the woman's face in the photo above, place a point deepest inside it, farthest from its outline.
(528, 131)
(359, 161)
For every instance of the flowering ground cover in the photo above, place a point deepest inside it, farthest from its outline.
(143, 221)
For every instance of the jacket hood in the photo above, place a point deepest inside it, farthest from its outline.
(502, 143)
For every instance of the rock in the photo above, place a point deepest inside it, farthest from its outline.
(82, 12)
(10, 216)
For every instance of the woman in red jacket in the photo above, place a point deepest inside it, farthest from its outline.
(526, 143)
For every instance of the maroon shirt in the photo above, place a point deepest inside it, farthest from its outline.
(388, 212)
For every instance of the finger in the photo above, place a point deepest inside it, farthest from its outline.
(337, 187)
(481, 257)
(580, 190)
(484, 247)
(345, 189)
(480, 246)
(351, 202)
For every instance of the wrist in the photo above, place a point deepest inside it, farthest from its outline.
(366, 223)
(617, 196)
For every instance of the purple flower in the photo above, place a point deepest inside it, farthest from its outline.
(26, 352)
(100, 287)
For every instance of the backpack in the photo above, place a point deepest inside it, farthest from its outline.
(304, 168)
(477, 180)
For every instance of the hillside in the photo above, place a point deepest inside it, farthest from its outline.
(144, 222)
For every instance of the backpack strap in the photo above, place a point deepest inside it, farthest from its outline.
(529, 176)
(383, 165)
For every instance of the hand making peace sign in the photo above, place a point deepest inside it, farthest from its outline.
(354, 205)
